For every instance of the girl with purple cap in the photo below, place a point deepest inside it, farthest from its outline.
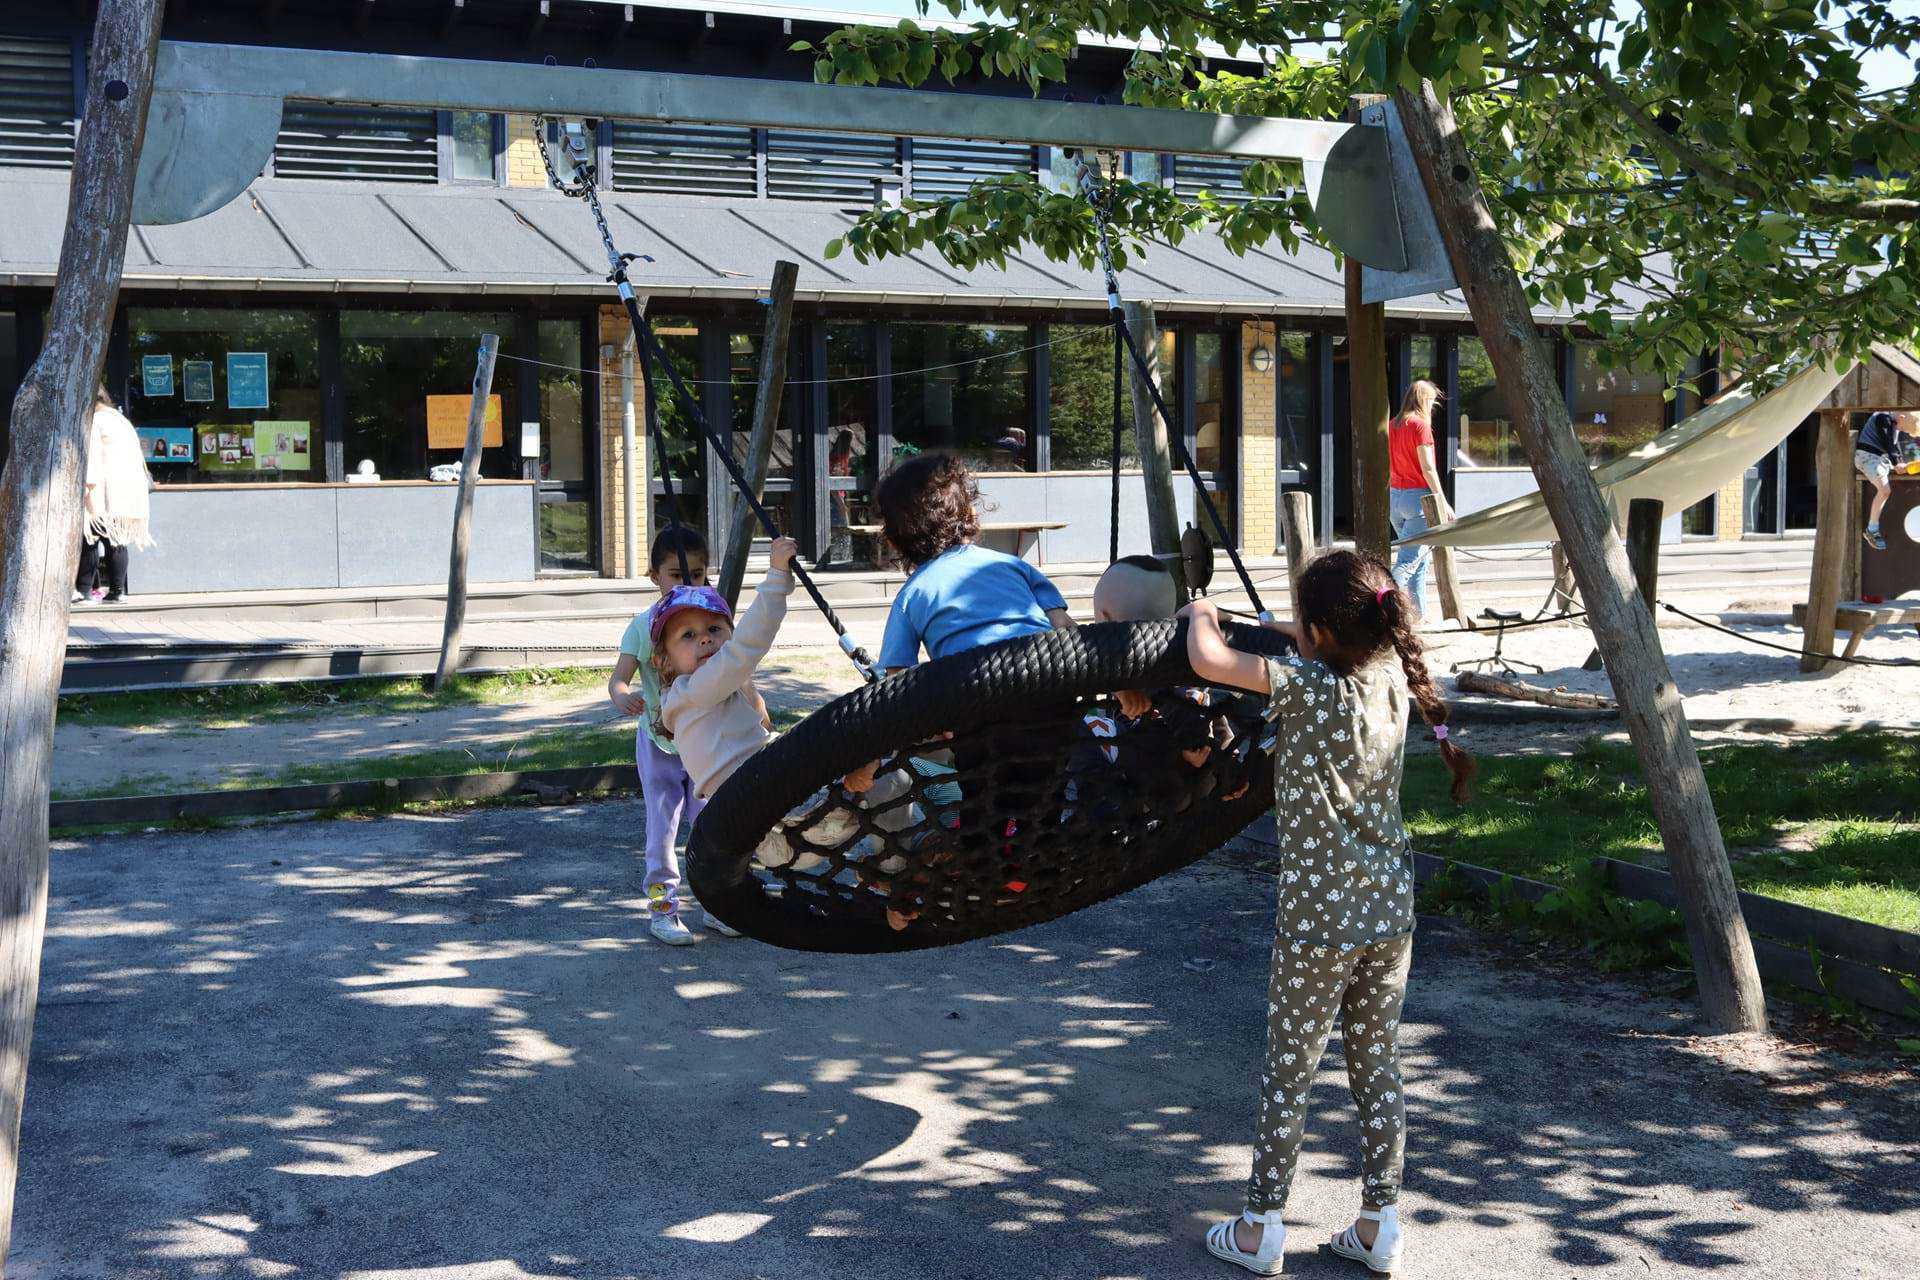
(1344, 927)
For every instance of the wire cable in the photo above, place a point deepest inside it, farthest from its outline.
(1801, 652)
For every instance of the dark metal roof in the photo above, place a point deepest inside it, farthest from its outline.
(375, 237)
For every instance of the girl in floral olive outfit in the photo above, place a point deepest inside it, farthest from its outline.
(1344, 929)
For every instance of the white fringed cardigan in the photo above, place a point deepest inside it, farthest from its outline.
(117, 481)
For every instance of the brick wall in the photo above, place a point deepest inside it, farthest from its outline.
(1731, 522)
(524, 167)
(614, 334)
(1258, 446)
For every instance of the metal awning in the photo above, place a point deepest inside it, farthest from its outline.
(369, 237)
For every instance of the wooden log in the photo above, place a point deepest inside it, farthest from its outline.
(1521, 691)
(1369, 410)
(1297, 533)
(1156, 456)
(1833, 535)
(463, 514)
(766, 417)
(40, 516)
(1446, 577)
(1729, 981)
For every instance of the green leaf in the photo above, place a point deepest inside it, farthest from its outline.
(1753, 246)
(1376, 56)
(800, 46)
(1633, 49)
(1908, 1046)
(834, 247)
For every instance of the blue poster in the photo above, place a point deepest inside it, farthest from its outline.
(166, 444)
(246, 379)
(196, 381)
(156, 376)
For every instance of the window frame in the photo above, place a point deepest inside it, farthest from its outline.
(443, 125)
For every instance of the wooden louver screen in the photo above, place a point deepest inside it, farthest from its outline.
(1223, 176)
(36, 103)
(701, 160)
(943, 168)
(838, 167)
(383, 144)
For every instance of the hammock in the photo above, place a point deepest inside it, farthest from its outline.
(1680, 466)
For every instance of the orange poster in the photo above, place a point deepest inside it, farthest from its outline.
(447, 422)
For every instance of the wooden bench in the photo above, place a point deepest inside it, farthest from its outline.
(1025, 533)
(1857, 618)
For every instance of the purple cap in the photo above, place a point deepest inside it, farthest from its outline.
(683, 598)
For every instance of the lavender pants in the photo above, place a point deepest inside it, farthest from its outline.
(669, 796)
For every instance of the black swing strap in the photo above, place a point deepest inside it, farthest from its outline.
(652, 355)
(1097, 198)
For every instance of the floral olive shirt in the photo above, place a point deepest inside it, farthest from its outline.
(1346, 878)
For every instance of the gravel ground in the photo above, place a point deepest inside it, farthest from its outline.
(444, 1048)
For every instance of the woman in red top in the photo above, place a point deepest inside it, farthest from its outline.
(1413, 476)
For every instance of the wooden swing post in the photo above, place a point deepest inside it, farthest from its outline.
(1156, 455)
(40, 516)
(766, 415)
(1369, 411)
(1723, 962)
(456, 616)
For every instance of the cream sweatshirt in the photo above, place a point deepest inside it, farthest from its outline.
(713, 724)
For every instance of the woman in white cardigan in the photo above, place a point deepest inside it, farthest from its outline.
(117, 506)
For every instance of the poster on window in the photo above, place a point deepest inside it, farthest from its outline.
(156, 376)
(225, 447)
(283, 446)
(246, 379)
(164, 445)
(196, 381)
(447, 422)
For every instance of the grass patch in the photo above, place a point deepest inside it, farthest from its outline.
(1830, 824)
(238, 705)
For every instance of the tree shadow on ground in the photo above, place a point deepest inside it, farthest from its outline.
(431, 1047)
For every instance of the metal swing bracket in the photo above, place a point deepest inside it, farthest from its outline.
(216, 114)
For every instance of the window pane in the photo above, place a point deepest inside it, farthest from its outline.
(472, 137)
(566, 534)
(1210, 407)
(1082, 401)
(1615, 411)
(1298, 446)
(963, 389)
(391, 361)
(221, 430)
(1487, 435)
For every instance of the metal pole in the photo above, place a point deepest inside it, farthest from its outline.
(629, 447)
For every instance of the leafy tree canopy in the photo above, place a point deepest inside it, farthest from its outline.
(1679, 174)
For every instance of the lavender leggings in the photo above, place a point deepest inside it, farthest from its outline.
(669, 797)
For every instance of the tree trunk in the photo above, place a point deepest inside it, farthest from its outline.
(1368, 409)
(40, 516)
(766, 414)
(1156, 456)
(1723, 961)
(1297, 530)
(463, 514)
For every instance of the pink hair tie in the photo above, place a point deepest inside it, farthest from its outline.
(1380, 596)
(1439, 733)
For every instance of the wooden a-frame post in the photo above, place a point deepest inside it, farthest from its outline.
(1369, 410)
(1150, 439)
(766, 419)
(40, 520)
(456, 614)
(1723, 961)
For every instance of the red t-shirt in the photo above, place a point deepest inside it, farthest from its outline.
(1405, 435)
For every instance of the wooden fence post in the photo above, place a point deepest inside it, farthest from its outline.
(40, 514)
(1369, 410)
(1297, 531)
(463, 514)
(766, 416)
(1723, 962)
(1156, 457)
(1446, 579)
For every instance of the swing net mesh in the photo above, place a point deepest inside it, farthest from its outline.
(995, 806)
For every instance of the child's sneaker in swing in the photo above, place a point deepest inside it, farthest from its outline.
(668, 929)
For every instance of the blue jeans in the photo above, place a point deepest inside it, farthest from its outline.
(1411, 565)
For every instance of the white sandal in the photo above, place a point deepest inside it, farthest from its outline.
(1268, 1259)
(1385, 1254)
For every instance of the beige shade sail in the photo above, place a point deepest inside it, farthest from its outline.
(1681, 466)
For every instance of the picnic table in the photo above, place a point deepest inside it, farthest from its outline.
(1016, 537)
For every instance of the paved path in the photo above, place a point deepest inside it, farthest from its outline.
(442, 1048)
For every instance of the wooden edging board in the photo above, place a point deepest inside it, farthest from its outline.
(1855, 955)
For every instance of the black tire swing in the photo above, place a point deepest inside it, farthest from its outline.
(1004, 812)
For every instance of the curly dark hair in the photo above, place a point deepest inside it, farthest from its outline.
(1355, 599)
(928, 504)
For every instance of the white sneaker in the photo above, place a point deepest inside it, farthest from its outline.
(668, 929)
(1384, 1256)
